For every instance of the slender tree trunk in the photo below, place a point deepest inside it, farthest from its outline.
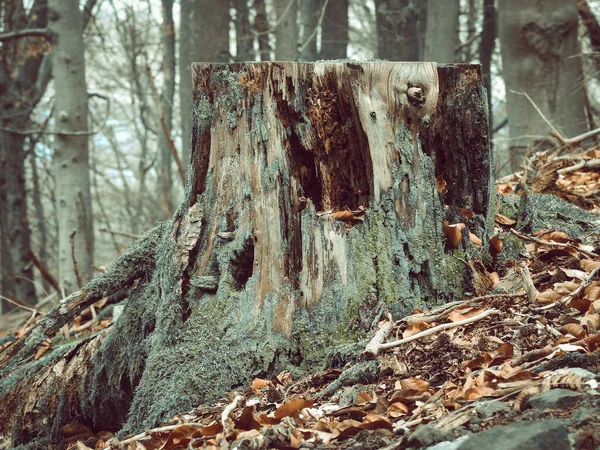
(335, 32)
(422, 27)
(71, 158)
(261, 26)
(17, 271)
(286, 31)
(243, 35)
(397, 30)
(38, 206)
(309, 19)
(165, 174)
(593, 27)
(486, 49)
(206, 38)
(538, 40)
(442, 30)
(252, 275)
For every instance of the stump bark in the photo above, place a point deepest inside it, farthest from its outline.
(311, 207)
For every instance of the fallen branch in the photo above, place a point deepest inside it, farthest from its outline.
(590, 164)
(137, 262)
(444, 326)
(375, 343)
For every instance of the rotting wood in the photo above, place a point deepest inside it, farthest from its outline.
(274, 145)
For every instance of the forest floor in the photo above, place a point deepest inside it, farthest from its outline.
(515, 367)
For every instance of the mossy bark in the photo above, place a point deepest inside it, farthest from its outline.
(250, 278)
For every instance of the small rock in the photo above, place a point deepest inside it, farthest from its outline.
(556, 398)
(449, 445)
(424, 436)
(489, 409)
(540, 435)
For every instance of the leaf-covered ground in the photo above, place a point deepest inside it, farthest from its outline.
(515, 367)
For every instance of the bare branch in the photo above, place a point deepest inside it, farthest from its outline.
(39, 32)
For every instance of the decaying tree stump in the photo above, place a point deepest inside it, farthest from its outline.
(311, 206)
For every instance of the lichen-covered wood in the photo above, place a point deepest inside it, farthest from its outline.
(311, 207)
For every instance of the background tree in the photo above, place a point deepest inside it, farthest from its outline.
(207, 39)
(165, 178)
(20, 91)
(286, 30)
(71, 153)
(334, 33)
(397, 30)
(441, 37)
(538, 41)
(309, 24)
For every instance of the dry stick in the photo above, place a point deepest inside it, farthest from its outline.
(75, 268)
(553, 244)
(228, 410)
(43, 271)
(589, 164)
(147, 434)
(163, 123)
(434, 314)
(375, 343)
(120, 233)
(444, 326)
(19, 304)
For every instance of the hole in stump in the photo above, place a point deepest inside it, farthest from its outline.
(242, 264)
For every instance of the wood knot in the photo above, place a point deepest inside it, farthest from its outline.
(415, 96)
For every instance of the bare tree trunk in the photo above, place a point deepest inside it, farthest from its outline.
(538, 40)
(309, 19)
(286, 30)
(206, 39)
(442, 30)
(261, 26)
(71, 158)
(38, 206)
(335, 32)
(486, 49)
(397, 30)
(422, 27)
(243, 36)
(165, 174)
(252, 274)
(19, 93)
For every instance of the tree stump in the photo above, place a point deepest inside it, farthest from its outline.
(314, 202)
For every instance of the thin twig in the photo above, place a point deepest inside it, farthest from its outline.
(120, 233)
(19, 304)
(444, 326)
(37, 32)
(163, 123)
(555, 133)
(315, 31)
(75, 268)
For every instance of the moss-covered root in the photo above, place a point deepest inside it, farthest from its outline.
(138, 262)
